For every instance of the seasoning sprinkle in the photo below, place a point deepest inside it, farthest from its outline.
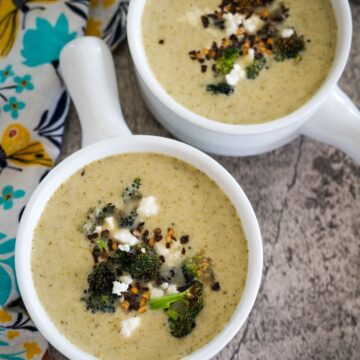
(184, 239)
(215, 286)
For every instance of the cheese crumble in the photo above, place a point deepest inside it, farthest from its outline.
(128, 326)
(148, 207)
(126, 237)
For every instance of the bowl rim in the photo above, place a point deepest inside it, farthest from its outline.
(344, 37)
(131, 144)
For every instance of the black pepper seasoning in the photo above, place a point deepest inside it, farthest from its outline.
(215, 286)
(184, 239)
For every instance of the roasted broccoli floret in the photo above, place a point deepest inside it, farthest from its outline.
(99, 295)
(121, 260)
(198, 267)
(226, 62)
(220, 88)
(132, 192)
(145, 266)
(289, 48)
(181, 308)
(104, 303)
(101, 278)
(253, 70)
(106, 211)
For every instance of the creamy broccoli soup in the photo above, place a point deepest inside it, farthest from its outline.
(139, 256)
(241, 61)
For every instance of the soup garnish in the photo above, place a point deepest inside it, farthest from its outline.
(129, 266)
(255, 35)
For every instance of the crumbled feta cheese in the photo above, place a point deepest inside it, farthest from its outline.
(193, 17)
(126, 237)
(143, 250)
(98, 229)
(119, 288)
(148, 207)
(164, 285)
(232, 22)
(126, 279)
(125, 247)
(129, 325)
(172, 289)
(110, 223)
(286, 33)
(235, 75)
(156, 292)
(251, 55)
(252, 24)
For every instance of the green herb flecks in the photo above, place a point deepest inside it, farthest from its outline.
(96, 216)
(289, 48)
(102, 245)
(128, 220)
(226, 62)
(253, 70)
(132, 192)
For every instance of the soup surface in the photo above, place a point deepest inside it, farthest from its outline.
(189, 203)
(172, 29)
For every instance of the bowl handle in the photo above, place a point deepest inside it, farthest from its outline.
(88, 70)
(337, 123)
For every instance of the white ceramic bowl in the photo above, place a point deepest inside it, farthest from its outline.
(89, 73)
(328, 116)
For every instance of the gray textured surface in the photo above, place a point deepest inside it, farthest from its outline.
(307, 199)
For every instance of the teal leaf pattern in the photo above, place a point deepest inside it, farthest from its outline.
(7, 268)
(5, 285)
(12, 356)
(43, 44)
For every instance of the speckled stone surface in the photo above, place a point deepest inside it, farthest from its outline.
(307, 199)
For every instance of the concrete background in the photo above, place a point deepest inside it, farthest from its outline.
(307, 199)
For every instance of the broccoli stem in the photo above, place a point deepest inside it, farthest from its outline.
(166, 301)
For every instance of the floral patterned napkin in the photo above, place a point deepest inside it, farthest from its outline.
(33, 107)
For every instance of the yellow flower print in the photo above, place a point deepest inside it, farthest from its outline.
(108, 3)
(93, 3)
(4, 316)
(93, 27)
(12, 334)
(32, 349)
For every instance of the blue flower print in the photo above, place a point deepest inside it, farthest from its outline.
(23, 83)
(43, 44)
(14, 106)
(8, 196)
(6, 73)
